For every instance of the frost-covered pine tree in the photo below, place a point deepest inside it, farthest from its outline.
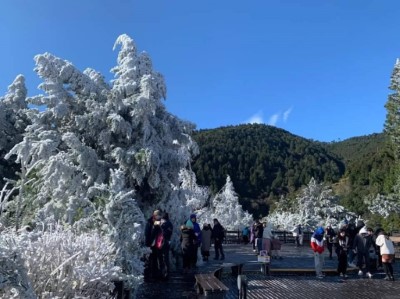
(226, 208)
(314, 206)
(101, 155)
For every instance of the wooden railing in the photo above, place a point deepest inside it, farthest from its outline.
(235, 236)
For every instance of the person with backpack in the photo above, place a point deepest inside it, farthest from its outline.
(218, 234)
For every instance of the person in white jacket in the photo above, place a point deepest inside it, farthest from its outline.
(387, 252)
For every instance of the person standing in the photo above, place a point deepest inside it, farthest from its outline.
(166, 228)
(317, 245)
(330, 238)
(153, 236)
(187, 245)
(258, 233)
(218, 233)
(361, 246)
(387, 252)
(341, 250)
(267, 238)
(252, 236)
(197, 241)
(206, 233)
(298, 235)
(245, 235)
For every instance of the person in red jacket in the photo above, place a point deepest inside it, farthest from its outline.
(317, 245)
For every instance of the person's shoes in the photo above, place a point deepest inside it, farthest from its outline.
(352, 265)
(341, 275)
(320, 276)
(222, 258)
(360, 273)
(369, 275)
(392, 277)
(345, 276)
(254, 250)
(388, 278)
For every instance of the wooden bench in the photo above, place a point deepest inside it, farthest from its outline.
(208, 285)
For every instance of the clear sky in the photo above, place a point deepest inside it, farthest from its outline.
(317, 68)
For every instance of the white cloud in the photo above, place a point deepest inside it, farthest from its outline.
(286, 114)
(256, 118)
(273, 119)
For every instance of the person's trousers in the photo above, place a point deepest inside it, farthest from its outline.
(267, 245)
(319, 263)
(363, 257)
(218, 248)
(259, 244)
(342, 265)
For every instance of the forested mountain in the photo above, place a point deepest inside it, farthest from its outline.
(265, 162)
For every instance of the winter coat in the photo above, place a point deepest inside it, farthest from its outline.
(187, 240)
(259, 230)
(218, 232)
(343, 245)
(206, 239)
(385, 244)
(317, 240)
(151, 232)
(267, 232)
(362, 242)
(330, 235)
(166, 227)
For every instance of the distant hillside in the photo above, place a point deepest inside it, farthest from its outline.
(264, 162)
(357, 147)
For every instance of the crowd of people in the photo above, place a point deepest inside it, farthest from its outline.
(158, 234)
(354, 242)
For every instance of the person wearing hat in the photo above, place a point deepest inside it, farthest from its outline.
(317, 245)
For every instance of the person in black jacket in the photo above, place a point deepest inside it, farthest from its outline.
(166, 228)
(258, 234)
(218, 234)
(330, 239)
(362, 244)
(153, 233)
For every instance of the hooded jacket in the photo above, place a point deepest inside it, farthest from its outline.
(362, 241)
(317, 240)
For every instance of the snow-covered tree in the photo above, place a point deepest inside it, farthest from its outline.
(102, 155)
(226, 208)
(384, 205)
(315, 205)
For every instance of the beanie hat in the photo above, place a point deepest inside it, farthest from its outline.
(189, 224)
(193, 216)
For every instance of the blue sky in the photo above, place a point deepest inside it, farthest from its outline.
(317, 68)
